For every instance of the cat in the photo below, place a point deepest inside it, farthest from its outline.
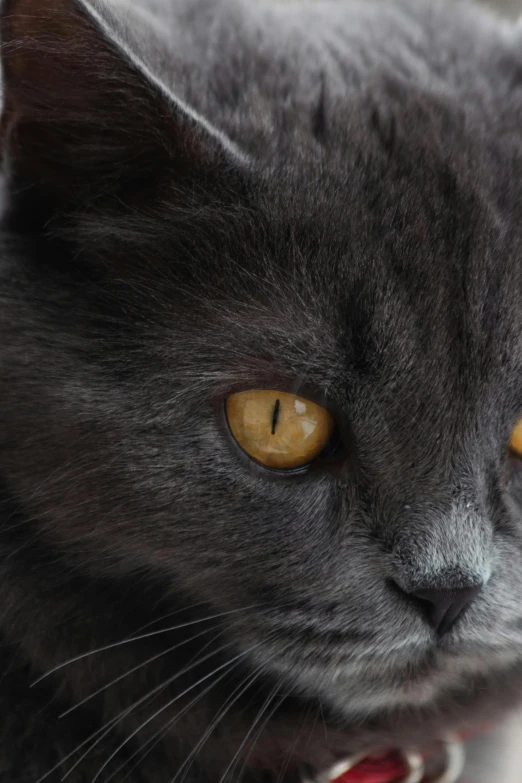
(212, 208)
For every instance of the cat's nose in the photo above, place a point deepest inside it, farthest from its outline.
(443, 606)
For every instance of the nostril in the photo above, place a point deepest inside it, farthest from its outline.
(444, 606)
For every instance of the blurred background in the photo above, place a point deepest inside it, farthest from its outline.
(512, 7)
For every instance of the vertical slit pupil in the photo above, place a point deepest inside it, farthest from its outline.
(275, 416)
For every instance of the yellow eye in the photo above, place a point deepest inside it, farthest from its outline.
(278, 429)
(515, 442)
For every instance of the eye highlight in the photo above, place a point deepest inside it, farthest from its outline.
(278, 429)
(515, 442)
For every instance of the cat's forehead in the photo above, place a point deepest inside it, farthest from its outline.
(398, 242)
(385, 267)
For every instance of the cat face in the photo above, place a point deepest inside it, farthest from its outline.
(374, 274)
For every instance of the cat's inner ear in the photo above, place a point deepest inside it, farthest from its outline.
(83, 117)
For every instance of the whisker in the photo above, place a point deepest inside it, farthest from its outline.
(170, 614)
(136, 668)
(292, 748)
(178, 716)
(233, 698)
(215, 723)
(158, 735)
(110, 724)
(312, 730)
(260, 714)
(172, 701)
(138, 638)
(145, 663)
(162, 686)
(153, 741)
(242, 687)
(261, 729)
(105, 729)
(205, 603)
(324, 722)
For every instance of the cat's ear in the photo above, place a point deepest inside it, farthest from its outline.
(83, 117)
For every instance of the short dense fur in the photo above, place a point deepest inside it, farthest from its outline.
(204, 196)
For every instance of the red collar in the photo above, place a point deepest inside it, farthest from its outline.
(387, 768)
(397, 767)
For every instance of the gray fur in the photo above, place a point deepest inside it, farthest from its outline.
(320, 197)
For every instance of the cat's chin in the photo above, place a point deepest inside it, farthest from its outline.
(366, 691)
(425, 695)
(413, 675)
(412, 713)
(417, 684)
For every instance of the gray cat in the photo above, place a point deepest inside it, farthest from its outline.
(260, 376)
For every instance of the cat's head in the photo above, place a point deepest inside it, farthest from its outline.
(153, 267)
